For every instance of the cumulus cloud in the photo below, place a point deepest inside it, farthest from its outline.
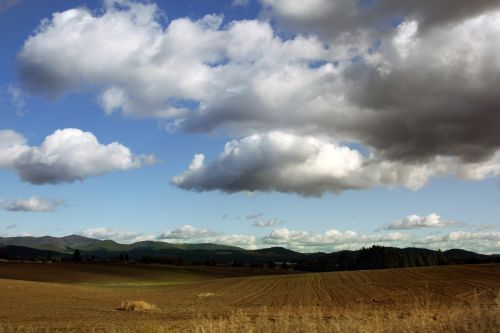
(416, 221)
(307, 241)
(35, 204)
(188, 232)
(419, 93)
(104, 233)
(334, 240)
(12, 146)
(310, 166)
(482, 242)
(66, 155)
(245, 241)
(350, 20)
(331, 240)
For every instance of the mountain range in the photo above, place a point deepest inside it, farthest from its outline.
(64, 247)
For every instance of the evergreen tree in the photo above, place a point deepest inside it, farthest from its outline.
(76, 256)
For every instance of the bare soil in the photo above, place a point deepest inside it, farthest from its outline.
(87, 297)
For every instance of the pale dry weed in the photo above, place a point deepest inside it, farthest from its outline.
(205, 295)
(137, 306)
(417, 317)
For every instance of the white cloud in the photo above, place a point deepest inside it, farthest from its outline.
(331, 240)
(254, 216)
(17, 96)
(104, 233)
(7, 4)
(66, 155)
(311, 166)
(188, 232)
(240, 2)
(35, 204)
(416, 221)
(421, 97)
(351, 21)
(245, 241)
(307, 241)
(261, 222)
(483, 227)
(264, 223)
(275, 161)
(12, 146)
(482, 242)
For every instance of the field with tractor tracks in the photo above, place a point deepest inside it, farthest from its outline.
(86, 297)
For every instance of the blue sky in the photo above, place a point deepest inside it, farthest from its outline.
(319, 139)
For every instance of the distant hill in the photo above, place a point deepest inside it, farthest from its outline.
(68, 244)
(58, 244)
(463, 256)
(169, 253)
(13, 252)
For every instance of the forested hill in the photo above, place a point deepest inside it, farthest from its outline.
(87, 249)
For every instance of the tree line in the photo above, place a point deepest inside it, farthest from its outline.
(375, 257)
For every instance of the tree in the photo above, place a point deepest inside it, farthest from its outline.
(76, 256)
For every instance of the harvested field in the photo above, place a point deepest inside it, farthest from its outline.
(120, 274)
(459, 296)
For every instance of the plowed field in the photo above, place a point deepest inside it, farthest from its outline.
(69, 303)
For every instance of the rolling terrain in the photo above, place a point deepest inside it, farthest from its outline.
(81, 297)
(62, 248)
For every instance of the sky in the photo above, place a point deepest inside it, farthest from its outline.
(316, 125)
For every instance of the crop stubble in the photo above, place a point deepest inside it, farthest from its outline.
(72, 305)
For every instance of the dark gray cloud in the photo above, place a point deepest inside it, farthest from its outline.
(310, 167)
(428, 105)
(414, 83)
(40, 80)
(351, 21)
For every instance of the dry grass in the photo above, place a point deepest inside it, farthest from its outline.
(137, 306)
(419, 317)
(451, 299)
